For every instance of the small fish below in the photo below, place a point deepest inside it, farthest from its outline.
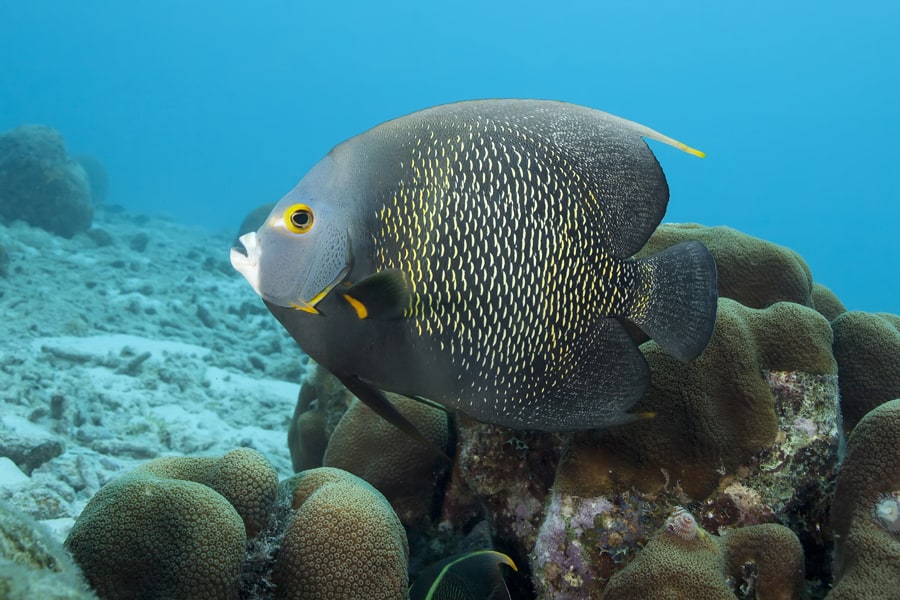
(468, 576)
(478, 255)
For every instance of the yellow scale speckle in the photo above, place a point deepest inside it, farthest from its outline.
(478, 218)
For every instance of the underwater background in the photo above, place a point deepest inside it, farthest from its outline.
(202, 111)
(143, 382)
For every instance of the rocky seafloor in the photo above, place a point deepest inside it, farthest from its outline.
(132, 356)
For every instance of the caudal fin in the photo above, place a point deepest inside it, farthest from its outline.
(681, 311)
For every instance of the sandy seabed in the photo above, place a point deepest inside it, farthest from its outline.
(132, 341)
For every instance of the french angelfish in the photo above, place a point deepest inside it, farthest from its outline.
(468, 576)
(477, 255)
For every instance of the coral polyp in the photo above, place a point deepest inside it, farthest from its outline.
(682, 524)
(887, 511)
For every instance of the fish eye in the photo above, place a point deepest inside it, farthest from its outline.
(298, 218)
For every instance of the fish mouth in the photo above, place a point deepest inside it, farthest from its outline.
(246, 260)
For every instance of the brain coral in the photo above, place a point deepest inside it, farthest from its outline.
(40, 184)
(343, 541)
(672, 567)
(752, 271)
(144, 536)
(867, 552)
(713, 414)
(762, 561)
(768, 557)
(824, 301)
(402, 469)
(867, 350)
(243, 476)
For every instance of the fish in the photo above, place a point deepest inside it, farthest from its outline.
(467, 576)
(478, 255)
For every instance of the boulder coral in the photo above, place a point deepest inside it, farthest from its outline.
(673, 566)
(867, 350)
(40, 184)
(826, 302)
(342, 541)
(98, 179)
(865, 511)
(242, 476)
(405, 471)
(145, 536)
(748, 431)
(162, 531)
(714, 414)
(682, 560)
(755, 272)
(764, 561)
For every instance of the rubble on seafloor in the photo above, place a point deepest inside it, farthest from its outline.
(743, 451)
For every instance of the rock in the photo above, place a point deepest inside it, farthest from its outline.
(26, 444)
(40, 184)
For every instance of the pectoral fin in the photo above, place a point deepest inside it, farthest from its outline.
(382, 295)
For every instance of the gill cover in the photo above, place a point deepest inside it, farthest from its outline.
(299, 254)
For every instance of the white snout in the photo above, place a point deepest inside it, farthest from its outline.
(248, 264)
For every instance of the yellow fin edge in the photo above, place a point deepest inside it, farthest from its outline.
(689, 150)
(646, 132)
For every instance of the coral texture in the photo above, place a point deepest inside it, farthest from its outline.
(764, 561)
(510, 473)
(748, 432)
(320, 406)
(867, 552)
(342, 541)
(243, 476)
(755, 272)
(717, 412)
(144, 536)
(671, 566)
(867, 350)
(826, 302)
(405, 471)
(761, 561)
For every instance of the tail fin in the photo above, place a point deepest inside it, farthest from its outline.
(682, 310)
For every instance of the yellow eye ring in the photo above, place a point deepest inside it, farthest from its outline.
(298, 218)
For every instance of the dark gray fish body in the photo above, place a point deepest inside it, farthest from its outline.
(477, 255)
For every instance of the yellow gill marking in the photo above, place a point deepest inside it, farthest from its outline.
(305, 308)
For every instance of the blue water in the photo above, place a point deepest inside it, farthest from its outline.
(203, 110)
